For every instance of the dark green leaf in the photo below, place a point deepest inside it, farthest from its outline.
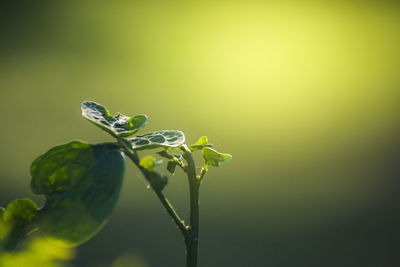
(175, 159)
(82, 183)
(168, 138)
(3, 228)
(202, 142)
(212, 157)
(20, 211)
(119, 125)
(171, 166)
(165, 154)
(156, 180)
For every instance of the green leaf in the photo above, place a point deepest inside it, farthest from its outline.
(156, 180)
(165, 154)
(168, 138)
(20, 211)
(1, 213)
(202, 142)
(175, 159)
(171, 166)
(82, 184)
(148, 162)
(212, 157)
(16, 222)
(3, 228)
(119, 125)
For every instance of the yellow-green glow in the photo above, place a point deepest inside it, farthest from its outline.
(302, 95)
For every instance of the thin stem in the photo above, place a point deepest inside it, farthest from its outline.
(194, 186)
(167, 205)
(171, 211)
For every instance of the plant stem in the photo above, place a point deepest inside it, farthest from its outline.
(175, 217)
(194, 186)
(191, 233)
(167, 205)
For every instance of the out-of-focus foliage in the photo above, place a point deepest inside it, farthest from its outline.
(130, 260)
(149, 162)
(4, 228)
(16, 221)
(38, 252)
(20, 211)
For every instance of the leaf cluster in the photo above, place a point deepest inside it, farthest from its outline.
(81, 182)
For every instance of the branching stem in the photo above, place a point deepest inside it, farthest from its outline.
(191, 232)
(164, 201)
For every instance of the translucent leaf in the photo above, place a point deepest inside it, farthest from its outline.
(148, 162)
(119, 125)
(202, 142)
(212, 157)
(20, 211)
(82, 183)
(168, 138)
(60, 168)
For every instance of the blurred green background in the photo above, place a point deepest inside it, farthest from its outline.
(305, 97)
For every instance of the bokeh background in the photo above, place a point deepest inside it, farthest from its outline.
(305, 96)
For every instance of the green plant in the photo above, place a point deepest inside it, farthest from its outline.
(81, 182)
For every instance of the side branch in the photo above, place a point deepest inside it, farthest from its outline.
(167, 205)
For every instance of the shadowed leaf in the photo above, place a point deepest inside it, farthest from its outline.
(82, 183)
(171, 166)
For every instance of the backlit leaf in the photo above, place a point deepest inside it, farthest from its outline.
(20, 211)
(168, 138)
(202, 142)
(148, 162)
(213, 157)
(119, 125)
